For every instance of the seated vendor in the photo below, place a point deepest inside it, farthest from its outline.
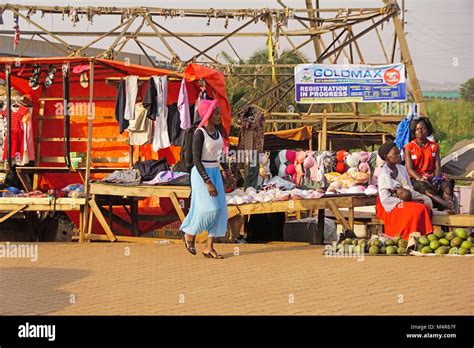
(400, 216)
(423, 164)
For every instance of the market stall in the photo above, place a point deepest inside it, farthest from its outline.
(73, 130)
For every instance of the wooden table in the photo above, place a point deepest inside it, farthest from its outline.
(15, 205)
(114, 194)
(101, 192)
(331, 202)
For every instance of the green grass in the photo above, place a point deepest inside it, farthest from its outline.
(453, 121)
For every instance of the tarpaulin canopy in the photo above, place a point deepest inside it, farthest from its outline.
(460, 160)
(296, 134)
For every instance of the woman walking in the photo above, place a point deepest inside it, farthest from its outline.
(400, 216)
(208, 205)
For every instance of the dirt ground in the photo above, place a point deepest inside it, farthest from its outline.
(253, 279)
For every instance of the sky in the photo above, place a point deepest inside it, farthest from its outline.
(440, 33)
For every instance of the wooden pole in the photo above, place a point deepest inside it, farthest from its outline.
(325, 132)
(9, 114)
(409, 64)
(89, 146)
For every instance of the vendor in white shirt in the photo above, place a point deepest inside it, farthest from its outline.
(402, 209)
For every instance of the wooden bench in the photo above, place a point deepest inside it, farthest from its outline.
(457, 220)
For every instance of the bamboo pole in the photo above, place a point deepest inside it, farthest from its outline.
(324, 137)
(409, 64)
(89, 146)
(8, 85)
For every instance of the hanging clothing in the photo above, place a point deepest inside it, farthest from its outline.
(207, 213)
(141, 127)
(183, 106)
(17, 133)
(252, 122)
(131, 90)
(150, 100)
(424, 157)
(161, 137)
(155, 101)
(174, 125)
(28, 140)
(120, 103)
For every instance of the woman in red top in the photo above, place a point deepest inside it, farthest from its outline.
(423, 164)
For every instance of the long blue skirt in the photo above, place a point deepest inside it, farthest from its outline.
(207, 213)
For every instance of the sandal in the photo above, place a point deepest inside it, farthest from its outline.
(212, 254)
(35, 77)
(190, 248)
(50, 76)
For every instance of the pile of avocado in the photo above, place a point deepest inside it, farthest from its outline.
(376, 246)
(456, 242)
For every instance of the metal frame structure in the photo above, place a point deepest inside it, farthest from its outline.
(347, 26)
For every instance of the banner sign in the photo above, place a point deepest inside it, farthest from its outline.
(326, 83)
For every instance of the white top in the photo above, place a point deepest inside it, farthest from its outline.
(211, 149)
(386, 183)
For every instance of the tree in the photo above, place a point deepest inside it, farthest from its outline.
(467, 90)
(242, 92)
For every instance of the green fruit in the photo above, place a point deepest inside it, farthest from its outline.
(378, 243)
(424, 241)
(402, 243)
(391, 250)
(347, 241)
(444, 241)
(383, 250)
(419, 247)
(351, 249)
(471, 239)
(389, 242)
(453, 251)
(434, 245)
(442, 250)
(397, 238)
(361, 241)
(439, 234)
(456, 242)
(472, 250)
(449, 236)
(432, 237)
(373, 250)
(402, 251)
(463, 251)
(396, 248)
(466, 244)
(426, 250)
(461, 233)
(359, 249)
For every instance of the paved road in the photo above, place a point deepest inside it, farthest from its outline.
(112, 278)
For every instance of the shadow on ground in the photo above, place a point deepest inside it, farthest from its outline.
(36, 290)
